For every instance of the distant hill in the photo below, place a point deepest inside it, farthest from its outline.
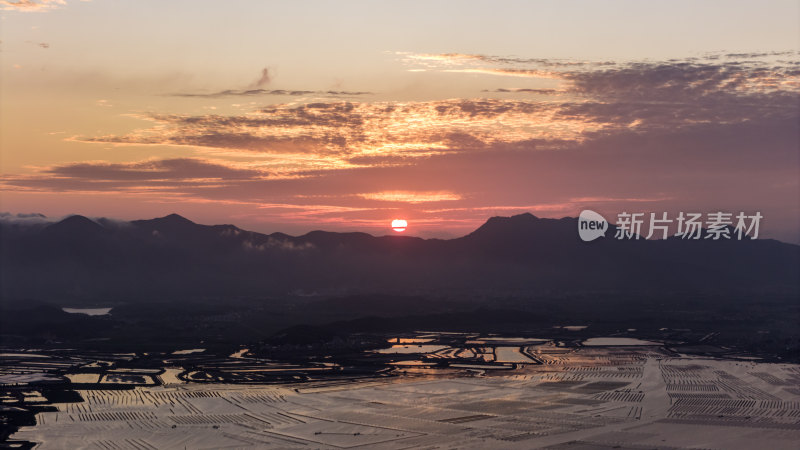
(167, 257)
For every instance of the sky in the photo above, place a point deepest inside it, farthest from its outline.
(296, 116)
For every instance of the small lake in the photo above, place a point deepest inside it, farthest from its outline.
(88, 311)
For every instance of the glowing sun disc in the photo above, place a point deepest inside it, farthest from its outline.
(399, 225)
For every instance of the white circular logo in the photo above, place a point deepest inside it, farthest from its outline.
(591, 225)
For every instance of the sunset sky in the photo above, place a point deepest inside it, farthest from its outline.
(342, 116)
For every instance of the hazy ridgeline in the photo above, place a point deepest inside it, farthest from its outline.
(78, 260)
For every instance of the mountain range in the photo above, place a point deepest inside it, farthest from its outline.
(167, 257)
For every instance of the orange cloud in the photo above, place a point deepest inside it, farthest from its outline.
(31, 5)
(411, 196)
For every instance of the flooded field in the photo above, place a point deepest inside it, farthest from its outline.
(188, 351)
(412, 348)
(88, 311)
(616, 341)
(449, 392)
(512, 355)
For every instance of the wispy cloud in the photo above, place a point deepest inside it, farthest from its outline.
(266, 92)
(31, 5)
(257, 88)
(334, 134)
(524, 73)
(24, 218)
(462, 58)
(527, 90)
(411, 196)
(263, 80)
(152, 175)
(742, 73)
(43, 45)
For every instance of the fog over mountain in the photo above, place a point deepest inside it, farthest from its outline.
(173, 257)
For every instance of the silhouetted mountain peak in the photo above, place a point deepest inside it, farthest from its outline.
(519, 219)
(175, 219)
(521, 224)
(172, 221)
(74, 226)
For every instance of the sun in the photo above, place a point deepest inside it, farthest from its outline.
(399, 225)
